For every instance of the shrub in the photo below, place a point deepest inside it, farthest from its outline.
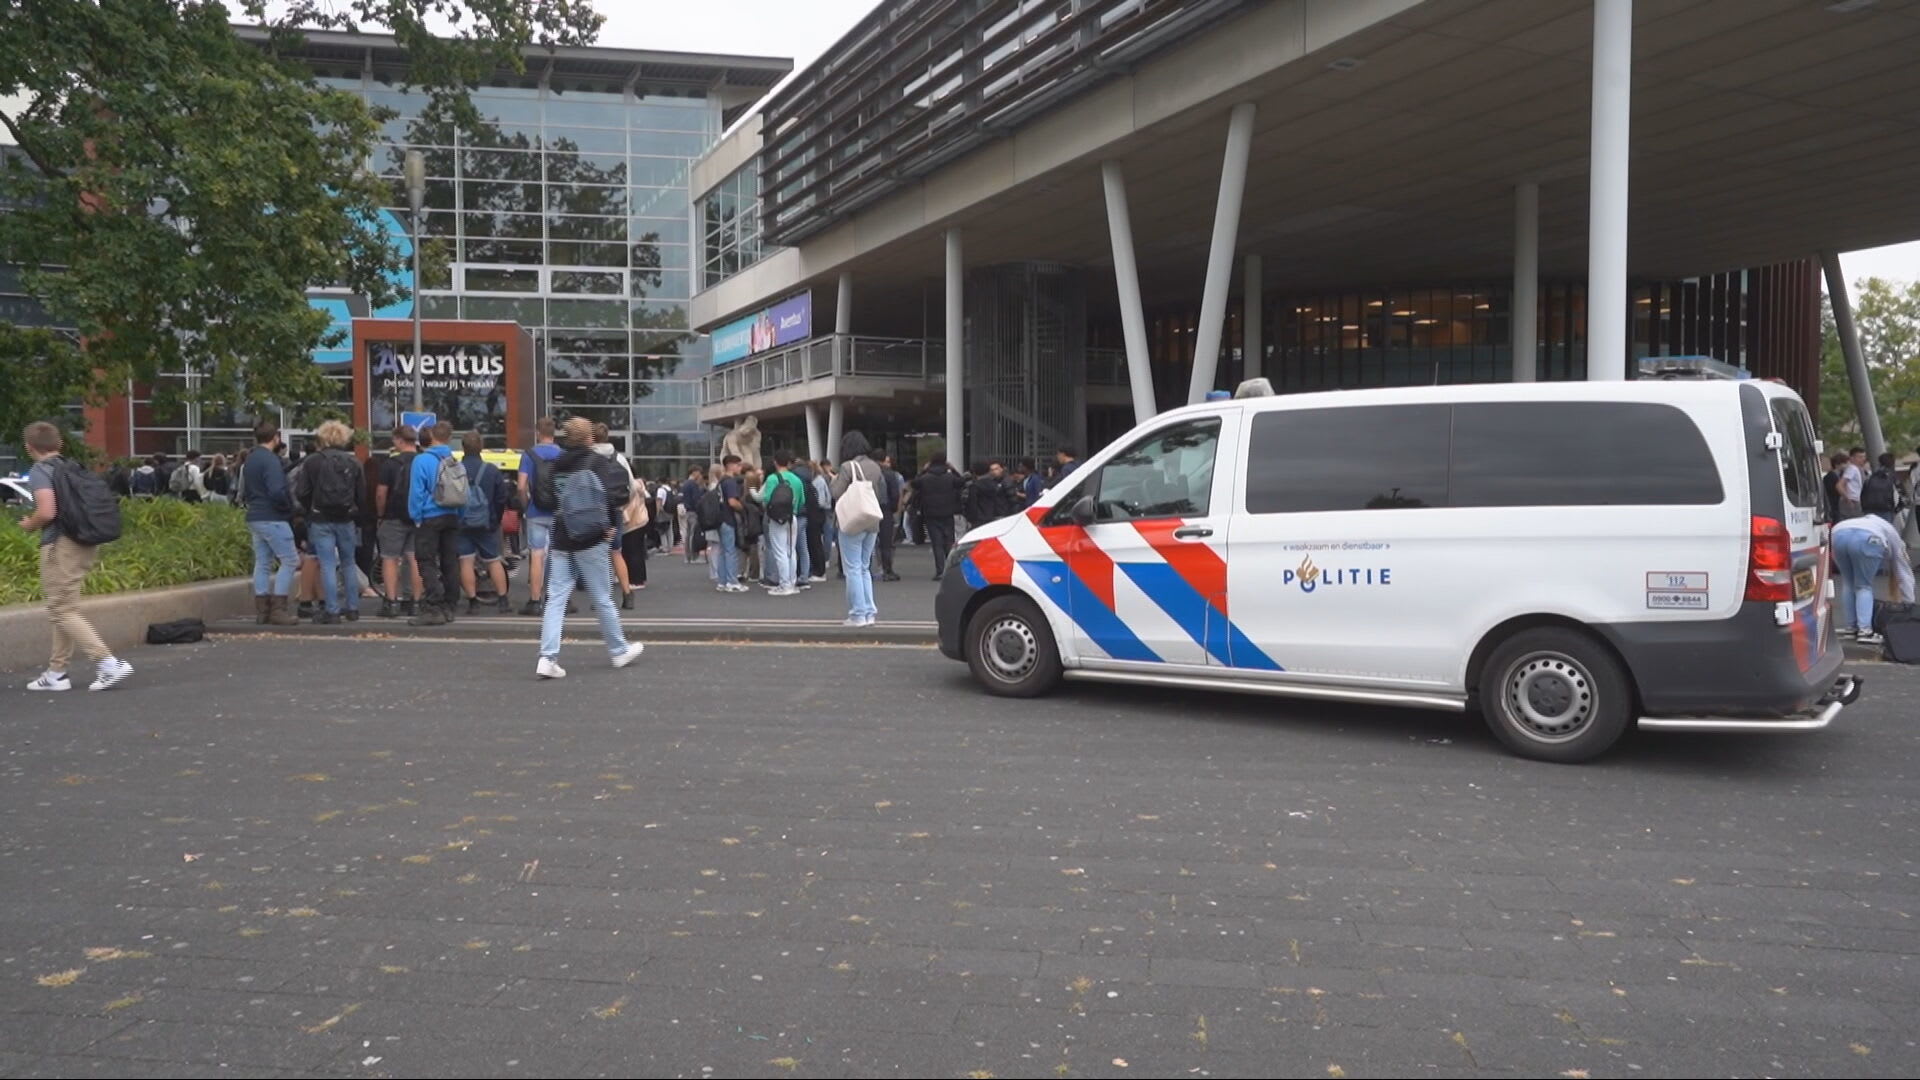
(162, 542)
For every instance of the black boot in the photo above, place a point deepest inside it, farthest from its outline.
(388, 610)
(473, 605)
(504, 607)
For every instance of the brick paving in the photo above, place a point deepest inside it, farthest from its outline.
(372, 858)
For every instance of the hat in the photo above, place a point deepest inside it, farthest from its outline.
(577, 431)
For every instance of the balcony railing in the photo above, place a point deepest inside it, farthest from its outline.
(916, 359)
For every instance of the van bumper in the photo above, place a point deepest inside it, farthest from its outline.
(949, 609)
(1845, 691)
(1744, 667)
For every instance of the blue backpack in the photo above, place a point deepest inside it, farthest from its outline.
(583, 504)
(478, 513)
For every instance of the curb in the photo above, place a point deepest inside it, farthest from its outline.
(121, 618)
(719, 631)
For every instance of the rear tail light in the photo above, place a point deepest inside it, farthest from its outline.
(1769, 562)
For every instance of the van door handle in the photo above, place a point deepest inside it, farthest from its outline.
(1192, 532)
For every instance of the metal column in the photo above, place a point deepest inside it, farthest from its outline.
(1526, 282)
(1251, 345)
(842, 322)
(1863, 406)
(1226, 228)
(1126, 276)
(816, 449)
(1607, 206)
(836, 427)
(956, 353)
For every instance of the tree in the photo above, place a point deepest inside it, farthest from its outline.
(1887, 317)
(179, 190)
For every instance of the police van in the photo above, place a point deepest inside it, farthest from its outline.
(1568, 559)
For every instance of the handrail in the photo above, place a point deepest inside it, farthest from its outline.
(822, 357)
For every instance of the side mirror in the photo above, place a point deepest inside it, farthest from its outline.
(1085, 511)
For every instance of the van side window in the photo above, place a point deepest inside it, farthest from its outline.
(1580, 453)
(1167, 474)
(1799, 464)
(1375, 457)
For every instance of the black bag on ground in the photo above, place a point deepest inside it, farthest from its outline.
(177, 632)
(1900, 625)
(85, 508)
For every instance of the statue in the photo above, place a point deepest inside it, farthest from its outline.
(744, 440)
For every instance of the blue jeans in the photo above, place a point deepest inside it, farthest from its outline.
(802, 559)
(273, 540)
(780, 551)
(727, 561)
(856, 557)
(594, 569)
(1860, 555)
(334, 542)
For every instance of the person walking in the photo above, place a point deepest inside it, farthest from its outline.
(270, 520)
(436, 529)
(1868, 546)
(890, 490)
(588, 493)
(818, 522)
(479, 543)
(537, 521)
(394, 534)
(785, 500)
(858, 537)
(328, 491)
(937, 491)
(64, 562)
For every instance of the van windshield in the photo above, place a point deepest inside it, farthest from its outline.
(1799, 462)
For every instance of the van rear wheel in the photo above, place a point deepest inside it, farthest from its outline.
(1555, 694)
(1011, 649)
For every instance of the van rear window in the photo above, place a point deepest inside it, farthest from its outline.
(1799, 461)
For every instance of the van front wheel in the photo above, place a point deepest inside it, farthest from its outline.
(1011, 649)
(1555, 694)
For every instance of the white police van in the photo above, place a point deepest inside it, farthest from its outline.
(1568, 558)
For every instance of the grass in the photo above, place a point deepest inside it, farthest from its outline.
(162, 542)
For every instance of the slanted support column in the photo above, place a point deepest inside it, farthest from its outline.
(1251, 345)
(1126, 277)
(836, 427)
(1862, 387)
(956, 353)
(1526, 282)
(842, 325)
(816, 446)
(1226, 229)
(1607, 205)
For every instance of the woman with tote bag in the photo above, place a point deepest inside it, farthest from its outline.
(856, 509)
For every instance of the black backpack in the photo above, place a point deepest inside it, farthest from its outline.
(713, 510)
(780, 507)
(85, 507)
(335, 484)
(542, 491)
(1879, 495)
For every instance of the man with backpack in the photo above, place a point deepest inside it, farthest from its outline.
(74, 512)
(588, 492)
(937, 491)
(276, 558)
(186, 483)
(328, 488)
(399, 573)
(438, 495)
(785, 499)
(1880, 493)
(479, 536)
(145, 481)
(723, 505)
(535, 525)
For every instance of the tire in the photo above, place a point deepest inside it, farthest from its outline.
(1555, 694)
(1011, 650)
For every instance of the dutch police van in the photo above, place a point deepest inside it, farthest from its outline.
(1566, 558)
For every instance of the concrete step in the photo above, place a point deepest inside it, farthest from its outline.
(498, 627)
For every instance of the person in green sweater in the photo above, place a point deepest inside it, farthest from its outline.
(785, 499)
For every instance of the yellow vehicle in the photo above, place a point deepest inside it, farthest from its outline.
(506, 460)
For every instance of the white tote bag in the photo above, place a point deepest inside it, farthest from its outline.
(858, 511)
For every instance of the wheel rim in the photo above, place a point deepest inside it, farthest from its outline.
(1550, 697)
(1009, 649)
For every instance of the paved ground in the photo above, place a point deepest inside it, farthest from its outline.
(332, 857)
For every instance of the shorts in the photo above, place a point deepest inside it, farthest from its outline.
(395, 538)
(483, 543)
(538, 531)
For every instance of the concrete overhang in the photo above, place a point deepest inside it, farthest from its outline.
(1390, 135)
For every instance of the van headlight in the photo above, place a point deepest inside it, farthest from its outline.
(958, 555)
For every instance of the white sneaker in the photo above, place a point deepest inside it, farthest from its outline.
(113, 672)
(1847, 631)
(721, 588)
(548, 668)
(1868, 637)
(817, 578)
(738, 588)
(633, 653)
(785, 590)
(852, 620)
(869, 620)
(51, 681)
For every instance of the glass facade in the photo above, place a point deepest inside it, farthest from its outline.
(730, 225)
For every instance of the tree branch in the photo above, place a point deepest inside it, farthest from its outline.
(38, 159)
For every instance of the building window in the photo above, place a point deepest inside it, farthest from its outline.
(730, 226)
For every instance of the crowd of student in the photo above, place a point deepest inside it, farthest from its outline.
(1867, 506)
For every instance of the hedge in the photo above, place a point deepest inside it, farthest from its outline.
(162, 542)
